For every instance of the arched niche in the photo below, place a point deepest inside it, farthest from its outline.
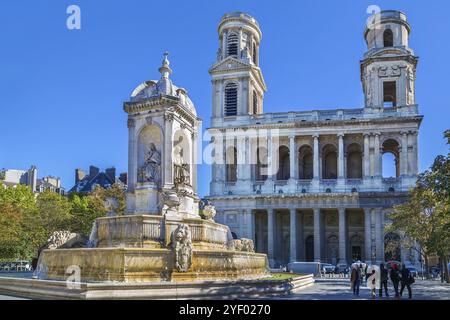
(181, 152)
(149, 146)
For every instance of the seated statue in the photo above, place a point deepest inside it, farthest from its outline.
(150, 171)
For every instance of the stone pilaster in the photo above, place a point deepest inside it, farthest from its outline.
(271, 237)
(293, 236)
(366, 156)
(367, 235)
(342, 236)
(379, 243)
(317, 234)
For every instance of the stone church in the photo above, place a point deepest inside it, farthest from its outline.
(309, 185)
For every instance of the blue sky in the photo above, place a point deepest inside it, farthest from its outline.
(62, 91)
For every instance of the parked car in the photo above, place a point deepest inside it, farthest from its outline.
(343, 268)
(413, 271)
(327, 268)
(435, 272)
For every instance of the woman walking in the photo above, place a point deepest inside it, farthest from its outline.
(407, 280)
(383, 281)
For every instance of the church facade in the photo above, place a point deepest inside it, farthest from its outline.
(308, 185)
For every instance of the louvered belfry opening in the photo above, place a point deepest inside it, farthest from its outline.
(231, 99)
(232, 47)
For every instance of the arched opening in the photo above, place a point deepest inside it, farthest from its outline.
(392, 247)
(329, 162)
(231, 164)
(261, 164)
(389, 94)
(283, 164)
(305, 163)
(309, 249)
(149, 155)
(234, 235)
(354, 161)
(255, 102)
(390, 159)
(232, 44)
(182, 171)
(388, 38)
(231, 99)
(332, 249)
(356, 245)
(255, 54)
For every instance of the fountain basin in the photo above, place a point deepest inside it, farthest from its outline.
(147, 265)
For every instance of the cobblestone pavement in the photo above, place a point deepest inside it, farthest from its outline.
(339, 289)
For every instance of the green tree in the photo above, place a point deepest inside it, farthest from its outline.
(52, 213)
(426, 217)
(15, 204)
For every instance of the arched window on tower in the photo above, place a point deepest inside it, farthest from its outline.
(232, 45)
(255, 102)
(255, 54)
(231, 98)
(388, 38)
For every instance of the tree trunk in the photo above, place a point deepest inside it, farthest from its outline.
(445, 268)
(427, 268)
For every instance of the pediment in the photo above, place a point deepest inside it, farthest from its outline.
(229, 63)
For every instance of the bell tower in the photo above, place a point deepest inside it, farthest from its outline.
(237, 81)
(388, 70)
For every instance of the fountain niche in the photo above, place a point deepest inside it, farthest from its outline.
(164, 235)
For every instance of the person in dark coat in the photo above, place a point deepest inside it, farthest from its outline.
(395, 278)
(383, 281)
(355, 279)
(406, 281)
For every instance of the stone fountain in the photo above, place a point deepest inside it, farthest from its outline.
(163, 236)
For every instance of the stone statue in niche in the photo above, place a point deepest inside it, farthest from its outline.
(182, 174)
(151, 170)
(182, 246)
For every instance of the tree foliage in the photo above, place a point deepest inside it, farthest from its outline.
(426, 217)
(27, 220)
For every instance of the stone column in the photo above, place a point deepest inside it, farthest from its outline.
(269, 157)
(378, 236)
(404, 154)
(367, 235)
(377, 156)
(292, 158)
(366, 156)
(240, 148)
(271, 237)
(132, 155)
(317, 235)
(195, 160)
(250, 224)
(341, 156)
(342, 236)
(293, 237)
(316, 158)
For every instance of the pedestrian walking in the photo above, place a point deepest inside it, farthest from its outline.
(383, 281)
(373, 286)
(407, 281)
(355, 279)
(395, 278)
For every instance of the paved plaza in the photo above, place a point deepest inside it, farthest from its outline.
(339, 289)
